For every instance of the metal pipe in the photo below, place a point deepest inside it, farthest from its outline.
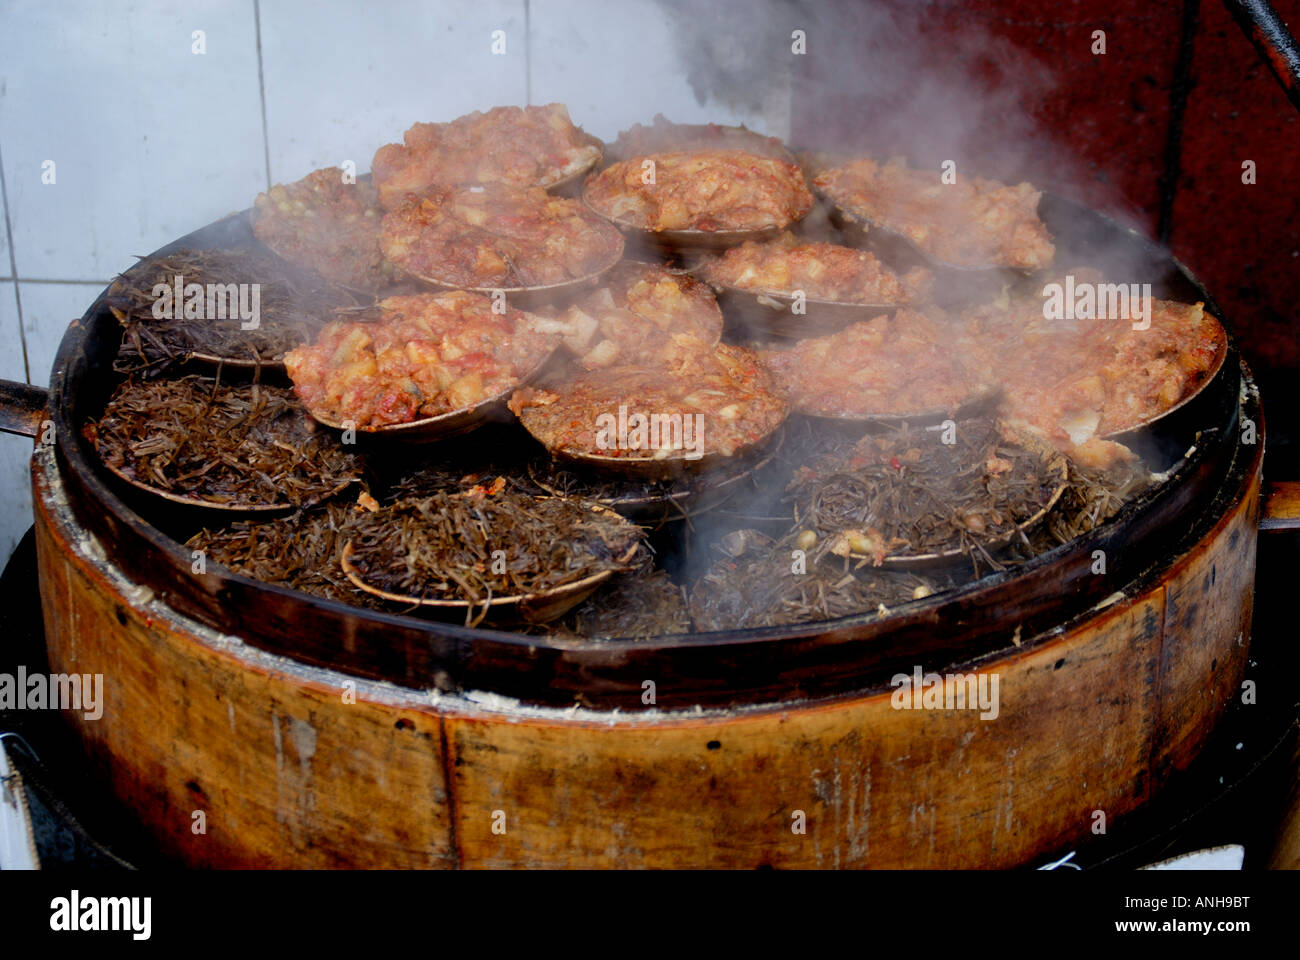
(22, 408)
(1271, 38)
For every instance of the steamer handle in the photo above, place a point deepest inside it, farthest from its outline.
(22, 408)
(1280, 506)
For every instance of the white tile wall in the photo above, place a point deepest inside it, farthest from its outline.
(11, 347)
(15, 492)
(5, 267)
(406, 61)
(151, 140)
(616, 64)
(48, 308)
(15, 452)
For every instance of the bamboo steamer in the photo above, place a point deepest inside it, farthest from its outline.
(295, 765)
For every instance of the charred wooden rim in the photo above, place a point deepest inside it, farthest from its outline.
(764, 665)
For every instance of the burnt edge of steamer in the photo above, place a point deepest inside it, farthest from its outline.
(772, 664)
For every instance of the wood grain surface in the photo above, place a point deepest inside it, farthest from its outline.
(291, 767)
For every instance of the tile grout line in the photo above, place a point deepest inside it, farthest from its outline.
(261, 90)
(13, 268)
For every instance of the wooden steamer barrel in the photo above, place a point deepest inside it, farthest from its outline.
(313, 734)
(296, 765)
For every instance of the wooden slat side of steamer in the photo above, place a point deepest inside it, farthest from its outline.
(292, 769)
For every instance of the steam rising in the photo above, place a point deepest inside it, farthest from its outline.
(920, 80)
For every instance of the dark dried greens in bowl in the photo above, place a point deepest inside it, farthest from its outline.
(238, 447)
(291, 306)
(300, 551)
(910, 494)
(759, 582)
(636, 605)
(482, 549)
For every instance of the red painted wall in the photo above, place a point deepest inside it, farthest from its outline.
(1020, 82)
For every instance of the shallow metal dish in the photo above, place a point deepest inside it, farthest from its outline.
(1220, 355)
(766, 313)
(528, 607)
(533, 296)
(199, 503)
(452, 423)
(571, 184)
(702, 493)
